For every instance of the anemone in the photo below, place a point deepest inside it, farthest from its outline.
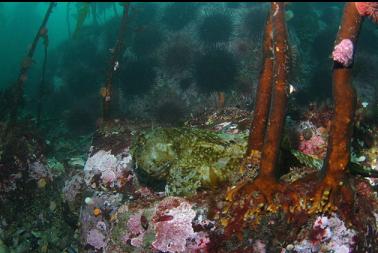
(216, 70)
(147, 40)
(177, 15)
(215, 28)
(137, 76)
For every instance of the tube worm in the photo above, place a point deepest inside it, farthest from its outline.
(117, 51)
(26, 64)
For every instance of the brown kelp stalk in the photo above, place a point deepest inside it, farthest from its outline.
(83, 10)
(26, 64)
(276, 122)
(242, 195)
(117, 51)
(42, 88)
(338, 153)
(263, 95)
(220, 99)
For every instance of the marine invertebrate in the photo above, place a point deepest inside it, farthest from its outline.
(343, 52)
(369, 9)
(177, 15)
(215, 28)
(215, 70)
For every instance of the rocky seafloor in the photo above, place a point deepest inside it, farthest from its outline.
(144, 189)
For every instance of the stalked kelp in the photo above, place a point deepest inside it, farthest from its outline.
(329, 191)
(18, 88)
(266, 182)
(263, 98)
(333, 184)
(117, 51)
(83, 11)
(42, 85)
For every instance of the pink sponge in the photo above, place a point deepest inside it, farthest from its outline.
(343, 52)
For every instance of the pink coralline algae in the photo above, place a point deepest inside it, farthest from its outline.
(174, 230)
(315, 146)
(329, 234)
(259, 247)
(96, 239)
(343, 52)
(136, 231)
(369, 9)
(312, 140)
(107, 170)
